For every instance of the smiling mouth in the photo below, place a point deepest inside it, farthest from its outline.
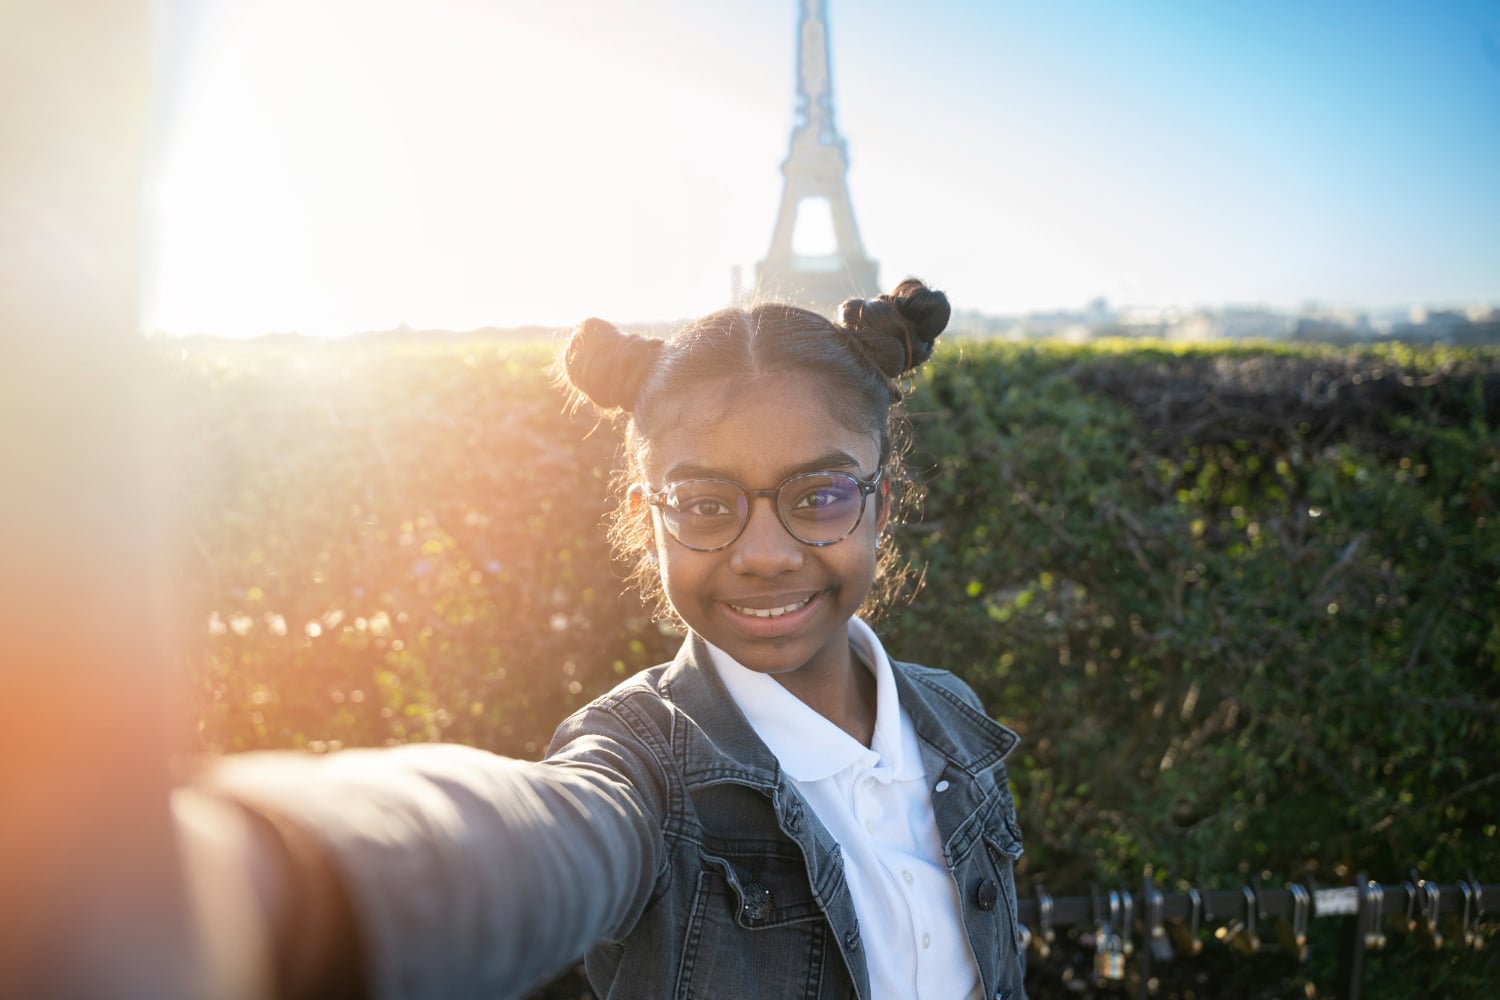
(771, 612)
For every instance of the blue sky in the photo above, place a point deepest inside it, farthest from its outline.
(343, 165)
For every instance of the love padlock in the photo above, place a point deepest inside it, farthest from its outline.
(1374, 916)
(1109, 959)
(1186, 935)
(1291, 932)
(1126, 921)
(1109, 946)
(1041, 941)
(1428, 928)
(1243, 932)
(1464, 927)
(1154, 906)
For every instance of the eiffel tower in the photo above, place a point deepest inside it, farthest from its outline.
(816, 170)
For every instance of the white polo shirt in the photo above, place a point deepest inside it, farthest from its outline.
(876, 803)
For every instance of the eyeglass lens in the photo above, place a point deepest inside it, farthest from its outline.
(816, 509)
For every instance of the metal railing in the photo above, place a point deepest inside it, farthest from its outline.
(1154, 927)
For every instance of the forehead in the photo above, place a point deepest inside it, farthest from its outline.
(757, 431)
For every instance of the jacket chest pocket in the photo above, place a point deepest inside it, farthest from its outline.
(754, 926)
(754, 929)
(760, 892)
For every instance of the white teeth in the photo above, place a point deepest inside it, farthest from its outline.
(771, 612)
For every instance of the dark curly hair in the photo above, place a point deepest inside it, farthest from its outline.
(855, 362)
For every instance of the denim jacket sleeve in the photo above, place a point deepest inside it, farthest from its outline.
(471, 874)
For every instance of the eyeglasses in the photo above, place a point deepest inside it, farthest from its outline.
(816, 508)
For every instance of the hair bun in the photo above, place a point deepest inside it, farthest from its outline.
(898, 330)
(608, 366)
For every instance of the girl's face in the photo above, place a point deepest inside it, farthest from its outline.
(757, 434)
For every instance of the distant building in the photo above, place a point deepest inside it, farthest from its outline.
(1472, 327)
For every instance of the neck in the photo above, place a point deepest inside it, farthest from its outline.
(844, 696)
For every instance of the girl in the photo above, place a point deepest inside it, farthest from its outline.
(782, 811)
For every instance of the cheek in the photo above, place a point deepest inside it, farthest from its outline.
(683, 580)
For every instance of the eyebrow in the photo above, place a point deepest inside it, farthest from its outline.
(833, 461)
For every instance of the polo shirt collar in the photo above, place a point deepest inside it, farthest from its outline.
(808, 746)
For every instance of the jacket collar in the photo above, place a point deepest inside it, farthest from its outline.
(953, 733)
(692, 684)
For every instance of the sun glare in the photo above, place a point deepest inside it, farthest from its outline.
(339, 167)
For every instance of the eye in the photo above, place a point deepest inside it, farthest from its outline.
(818, 498)
(704, 500)
(704, 507)
(825, 492)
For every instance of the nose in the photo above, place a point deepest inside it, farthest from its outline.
(765, 547)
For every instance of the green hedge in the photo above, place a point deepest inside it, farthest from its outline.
(1243, 603)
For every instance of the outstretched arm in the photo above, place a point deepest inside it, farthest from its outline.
(426, 871)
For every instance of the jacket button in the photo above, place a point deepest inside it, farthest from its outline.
(987, 894)
(756, 903)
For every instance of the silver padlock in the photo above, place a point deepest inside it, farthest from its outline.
(1429, 916)
(1466, 926)
(1374, 914)
(1154, 912)
(1041, 941)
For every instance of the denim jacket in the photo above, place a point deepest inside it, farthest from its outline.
(748, 897)
(659, 838)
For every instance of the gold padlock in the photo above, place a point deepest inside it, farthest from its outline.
(1428, 927)
(1291, 933)
(1109, 959)
(1243, 932)
(1109, 949)
(1186, 935)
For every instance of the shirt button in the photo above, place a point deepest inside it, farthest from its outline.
(907, 876)
(926, 940)
(941, 786)
(869, 826)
